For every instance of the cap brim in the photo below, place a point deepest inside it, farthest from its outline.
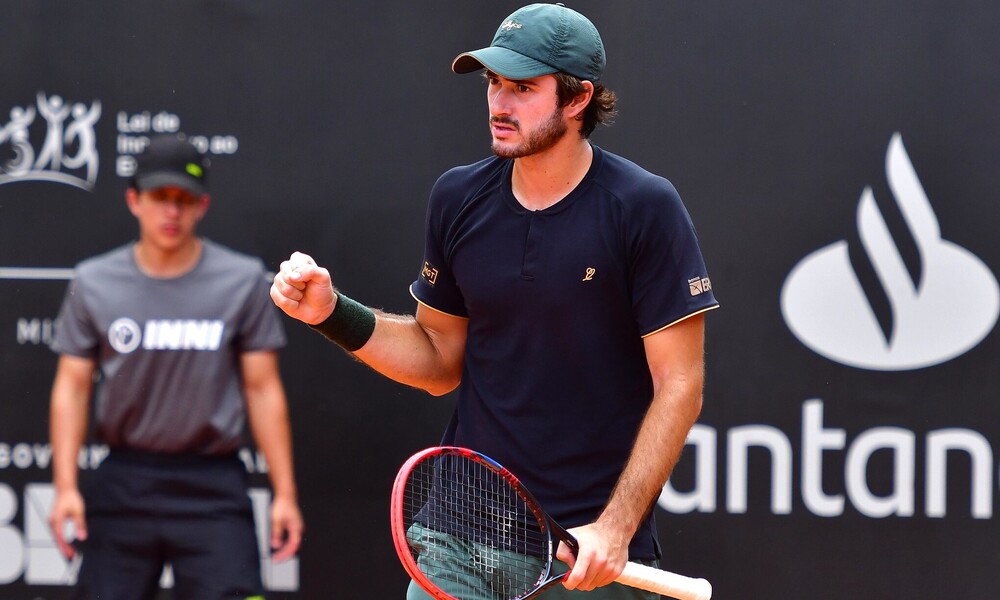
(153, 181)
(502, 61)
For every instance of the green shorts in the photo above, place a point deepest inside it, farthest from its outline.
(453, 555)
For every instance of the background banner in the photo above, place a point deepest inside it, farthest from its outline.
(839, 161)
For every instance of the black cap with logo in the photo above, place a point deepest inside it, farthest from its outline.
(170, 160)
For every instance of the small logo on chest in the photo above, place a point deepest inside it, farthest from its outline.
(589, 274)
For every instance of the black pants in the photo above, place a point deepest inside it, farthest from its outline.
(144, 511)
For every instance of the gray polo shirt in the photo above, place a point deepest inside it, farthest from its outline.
(168, 349)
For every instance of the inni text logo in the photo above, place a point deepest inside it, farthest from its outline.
(126, 336)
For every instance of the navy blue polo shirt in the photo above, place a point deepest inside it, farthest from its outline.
(555, 381)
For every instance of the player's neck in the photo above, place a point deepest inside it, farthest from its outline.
(167, 262)
(543, 179)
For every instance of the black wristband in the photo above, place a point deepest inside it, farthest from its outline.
(350, 325)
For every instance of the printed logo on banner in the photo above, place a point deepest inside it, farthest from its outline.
(134, 129)
(56, 141)
(937, 315)
(67, 152)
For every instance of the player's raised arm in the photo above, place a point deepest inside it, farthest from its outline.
(303, 289)
(423, 351)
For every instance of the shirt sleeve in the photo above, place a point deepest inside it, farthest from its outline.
(75, 333)
(669, 276)
(435, 285)
(261, 329)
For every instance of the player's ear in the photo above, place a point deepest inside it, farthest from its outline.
(579, 102)
(132, 200)
(206, 200)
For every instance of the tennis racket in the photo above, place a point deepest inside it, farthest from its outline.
(466, 529)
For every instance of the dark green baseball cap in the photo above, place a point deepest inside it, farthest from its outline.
(540, 39)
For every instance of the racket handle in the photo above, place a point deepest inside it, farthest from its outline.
(665, 582)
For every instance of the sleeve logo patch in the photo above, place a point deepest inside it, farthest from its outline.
(429, 273)
(699, 285)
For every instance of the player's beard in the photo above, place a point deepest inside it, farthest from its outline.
(537, 140)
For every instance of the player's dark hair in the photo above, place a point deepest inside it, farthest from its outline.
(601, 109)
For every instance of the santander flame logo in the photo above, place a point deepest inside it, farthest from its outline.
(938, 314)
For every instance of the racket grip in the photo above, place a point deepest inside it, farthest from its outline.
(664, 582)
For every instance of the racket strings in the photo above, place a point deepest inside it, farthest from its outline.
(471, 532)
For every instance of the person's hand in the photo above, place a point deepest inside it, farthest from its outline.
(303, 289)
(601, 558)
(286, 529)
(68, 506)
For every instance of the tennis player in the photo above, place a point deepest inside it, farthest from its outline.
(562, 291)
(180, 335)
